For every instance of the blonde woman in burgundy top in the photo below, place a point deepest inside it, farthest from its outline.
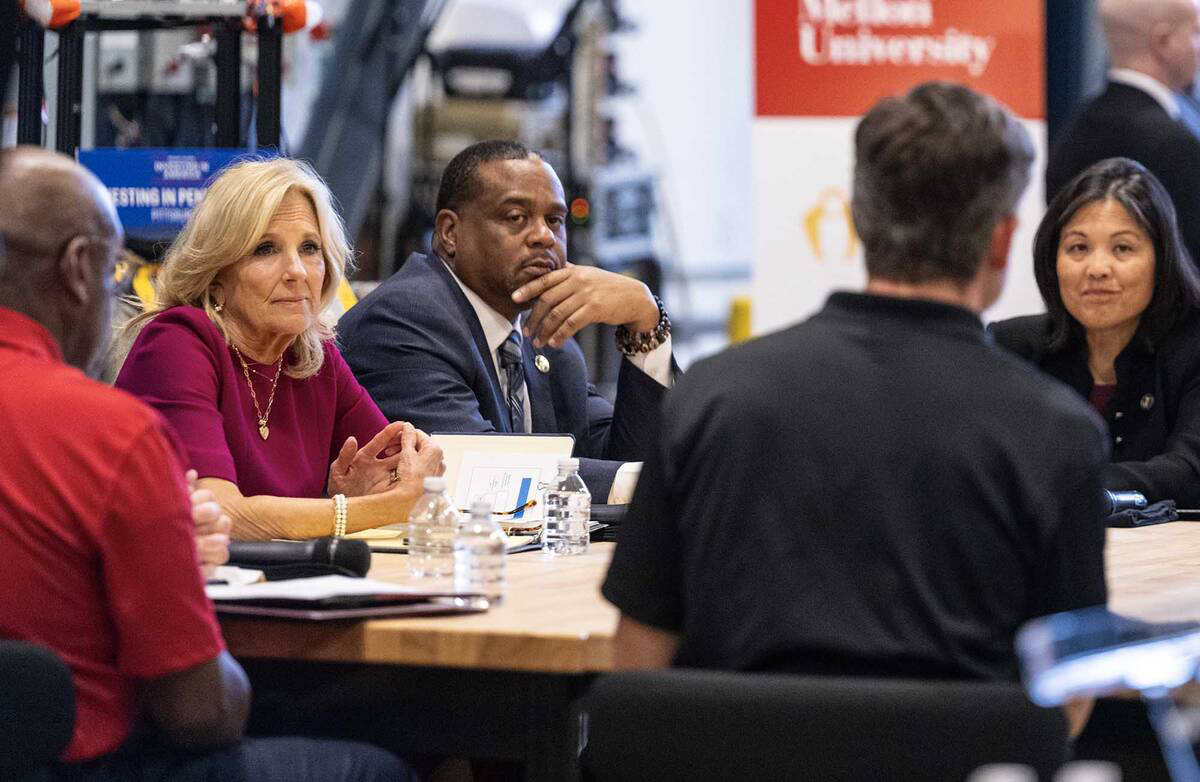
(236, 357)
(1122, 326)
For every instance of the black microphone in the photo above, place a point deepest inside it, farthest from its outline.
(1116, 501)
(303, 557)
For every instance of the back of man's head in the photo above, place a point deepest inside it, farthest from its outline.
(1132, 29)
(58, 227)
(46, 198)
(935, 170)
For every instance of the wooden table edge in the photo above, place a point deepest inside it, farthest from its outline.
(389, 644)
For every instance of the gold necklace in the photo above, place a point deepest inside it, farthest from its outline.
(263, 431)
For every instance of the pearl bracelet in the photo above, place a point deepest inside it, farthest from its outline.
(339, 515)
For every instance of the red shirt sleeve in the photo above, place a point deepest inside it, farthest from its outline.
(163, 620)
(173, 368)
(356, 412)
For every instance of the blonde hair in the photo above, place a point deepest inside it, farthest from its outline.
(227, 225)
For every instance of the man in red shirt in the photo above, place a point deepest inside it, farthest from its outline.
(101, 542)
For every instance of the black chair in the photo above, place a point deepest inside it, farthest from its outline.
(37, 709)
(700, 725)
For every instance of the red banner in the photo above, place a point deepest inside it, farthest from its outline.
(837, 58)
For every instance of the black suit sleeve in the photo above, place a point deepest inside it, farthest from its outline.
(620, 433)
(1174, 473)
(624, 432)
(599, 424)
(599, 475)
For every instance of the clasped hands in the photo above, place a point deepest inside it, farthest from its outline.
(399, 457)
(567, 299)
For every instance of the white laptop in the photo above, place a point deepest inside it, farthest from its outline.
(507, 470)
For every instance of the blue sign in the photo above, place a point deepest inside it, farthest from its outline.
(155, 189)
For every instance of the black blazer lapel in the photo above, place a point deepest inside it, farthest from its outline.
(537, 389)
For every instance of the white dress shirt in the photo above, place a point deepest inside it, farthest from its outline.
(496, 328)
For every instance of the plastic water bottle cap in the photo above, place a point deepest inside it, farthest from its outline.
(435, 484)
(568, 463)
(481, 508)
(1089, 771)
(1004, 772)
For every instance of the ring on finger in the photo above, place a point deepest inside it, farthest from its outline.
(394, 475)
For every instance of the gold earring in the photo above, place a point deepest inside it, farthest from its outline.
(218, 307)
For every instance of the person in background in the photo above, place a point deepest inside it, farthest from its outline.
(1121, 326)
(9, 16)
(1142, 113)
(478, 336)
(235, 356)
(872, 492)
(95, 517)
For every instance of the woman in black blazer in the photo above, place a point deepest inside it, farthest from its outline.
(1122, 325)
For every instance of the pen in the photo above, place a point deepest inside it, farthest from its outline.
(515, 510)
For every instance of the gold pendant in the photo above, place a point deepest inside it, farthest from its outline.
(263, 431)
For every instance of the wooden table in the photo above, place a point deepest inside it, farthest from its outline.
(498, 684)
(1154, 572)
(552, 620)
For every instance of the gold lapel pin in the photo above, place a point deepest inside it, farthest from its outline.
(542, 363)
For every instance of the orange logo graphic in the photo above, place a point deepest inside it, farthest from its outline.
(830, 228)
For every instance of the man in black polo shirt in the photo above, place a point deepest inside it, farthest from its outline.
(878, 490)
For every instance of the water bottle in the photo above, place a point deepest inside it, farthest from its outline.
(568, 505)
(432, 524)
(479, 549)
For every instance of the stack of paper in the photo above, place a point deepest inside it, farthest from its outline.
(339, 597)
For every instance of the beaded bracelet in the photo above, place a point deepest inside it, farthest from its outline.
(339, 515)
(631, 344)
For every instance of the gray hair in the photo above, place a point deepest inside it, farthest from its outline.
(935, 170)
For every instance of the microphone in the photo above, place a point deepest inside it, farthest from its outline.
(303, 557)
(1116, 501)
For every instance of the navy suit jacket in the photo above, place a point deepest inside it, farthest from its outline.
(416, 345)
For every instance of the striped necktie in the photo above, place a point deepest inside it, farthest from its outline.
(514, 373)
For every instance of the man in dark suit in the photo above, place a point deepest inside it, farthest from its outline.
(478, 335)
(1153, 49)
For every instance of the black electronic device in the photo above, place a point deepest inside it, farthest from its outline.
(281, 559)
